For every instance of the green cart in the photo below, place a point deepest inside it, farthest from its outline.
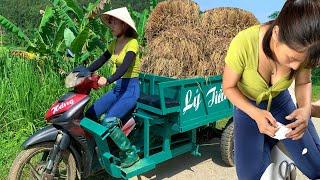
(170, 116)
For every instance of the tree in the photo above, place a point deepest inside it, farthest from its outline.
(274, 15)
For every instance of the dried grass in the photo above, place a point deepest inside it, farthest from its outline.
(174, 53)
(169, 14)
(183, 44)
(214, 52)
(226, 22)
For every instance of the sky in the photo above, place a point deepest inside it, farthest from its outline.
(260, 8)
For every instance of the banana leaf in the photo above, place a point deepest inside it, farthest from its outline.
(59, 36)
(42, 47)
(9, 26)
(96, 42)
(78, 43)
(143, 17)
(84, 56)
(62, 9)
(94, 8)
(76, 8)
(68, 37)
(45, 21)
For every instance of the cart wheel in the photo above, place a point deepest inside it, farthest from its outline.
(227, 145)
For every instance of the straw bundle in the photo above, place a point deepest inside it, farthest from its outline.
(182, 44)
(169, 14)
(226, 22)
(175, 53)
(221, 25)
(214, 51)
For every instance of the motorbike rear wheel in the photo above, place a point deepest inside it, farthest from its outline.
(30, 164)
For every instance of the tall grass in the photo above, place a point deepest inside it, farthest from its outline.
(27, 90)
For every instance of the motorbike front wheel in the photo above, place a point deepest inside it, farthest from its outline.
(31, 163)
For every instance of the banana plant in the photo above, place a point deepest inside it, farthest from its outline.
(85, 31)
(67, 25)
(141, 19)
(9, 26)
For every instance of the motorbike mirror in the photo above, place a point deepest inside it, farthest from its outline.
(82, 71)
(73, 79)
(69, 53)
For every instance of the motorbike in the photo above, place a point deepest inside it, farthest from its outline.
(62, 149)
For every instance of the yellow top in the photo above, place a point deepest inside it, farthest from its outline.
(243, 58)
(117, 59)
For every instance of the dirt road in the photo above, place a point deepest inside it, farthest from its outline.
(207, 167)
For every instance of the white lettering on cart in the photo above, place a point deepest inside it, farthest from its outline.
(62, 105)
(191, 103)
(216, 96)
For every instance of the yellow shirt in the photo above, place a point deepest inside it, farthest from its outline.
(243, 58)
(117, 59)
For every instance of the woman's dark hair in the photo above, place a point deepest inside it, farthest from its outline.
(130, 32)
(299, 28)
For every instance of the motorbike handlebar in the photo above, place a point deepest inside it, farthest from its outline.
(83, 80)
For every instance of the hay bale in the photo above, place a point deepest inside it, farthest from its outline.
(174, 53)
(180, 47)
(169, 14)
(220, 26)
(214, 51)
(227, 22)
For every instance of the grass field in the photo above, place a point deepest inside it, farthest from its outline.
(27, 90)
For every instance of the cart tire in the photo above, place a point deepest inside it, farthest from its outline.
(227, 145)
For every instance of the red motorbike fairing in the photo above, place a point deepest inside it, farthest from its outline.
(61, 107)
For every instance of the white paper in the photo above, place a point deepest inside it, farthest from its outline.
(282, 131)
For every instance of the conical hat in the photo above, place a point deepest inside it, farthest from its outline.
(121, 14)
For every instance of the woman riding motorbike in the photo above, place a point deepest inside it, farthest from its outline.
(123, 52)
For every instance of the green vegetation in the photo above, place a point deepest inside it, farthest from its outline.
(316, 92)
(28, 88)
(316, 84)
(26, 91)
(65, 25)
(27, 16)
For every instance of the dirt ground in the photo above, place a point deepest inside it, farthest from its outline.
(208, 166)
